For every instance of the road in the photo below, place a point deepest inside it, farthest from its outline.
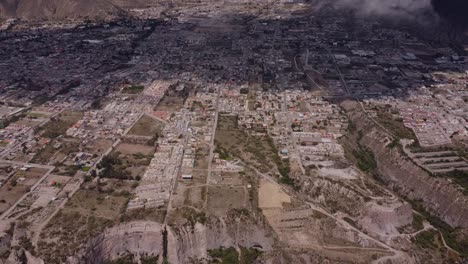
(213, 135)
(397, 254)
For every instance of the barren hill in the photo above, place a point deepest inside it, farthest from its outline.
(60, 9)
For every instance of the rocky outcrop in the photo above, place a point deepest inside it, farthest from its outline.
(184, 242)
(138, 238)
(194, 241)
(386, 219)
(437, 195)
(22, 257)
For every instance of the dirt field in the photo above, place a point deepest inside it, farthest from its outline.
(57, 179)
(17, 186)
(223, 198)
(97, 146)
(87, 202)
(170, 104)
(191, 196)
(130, 149)
(147, 127)
(271, 196)
(201, 158)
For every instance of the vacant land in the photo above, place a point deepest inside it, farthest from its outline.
(174, 98)
(60, 124)
(127, 162)
(191, 197)
(170, 104)
(56, 151)
(221, 199)
(147, 127)
(201, 158)
(131, 149)
(271, 195)
(258, 151)
(94, 203)
(17, 186)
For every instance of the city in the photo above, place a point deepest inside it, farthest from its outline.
(266, 132)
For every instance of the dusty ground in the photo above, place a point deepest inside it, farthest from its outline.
(271, 196)
(130, 149)
(223, 198)
(93, 203)
(147, 127)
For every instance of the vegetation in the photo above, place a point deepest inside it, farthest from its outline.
(110, 167)
(426, 239)
(127, 259)
(249, 255)
(450, 234)
(7, 121)
(194, 216)
(121, 166)
(459, 177)
(418, 221)
(231, 255)
(393, 144)
(133, 89)
(224, 255)
(385, 117)
(59, 125)
(150, 259)
(69, 230)
(365, 159)
(223, 154)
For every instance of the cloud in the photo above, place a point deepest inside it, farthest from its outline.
(385, 7)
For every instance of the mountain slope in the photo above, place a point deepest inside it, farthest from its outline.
(60, 9)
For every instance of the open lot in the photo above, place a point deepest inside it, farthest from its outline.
(99, 204)
(18, 185)
(98, 146)
(60, 124)
(201, 158)
(55, 151)
(130, 149)
(221, 199)
(170, 104)
(174, 98)
(190, 196)
(146, 126)
(258, 151)
(127, 161)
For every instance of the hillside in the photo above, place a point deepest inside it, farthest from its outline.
(60, 9)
